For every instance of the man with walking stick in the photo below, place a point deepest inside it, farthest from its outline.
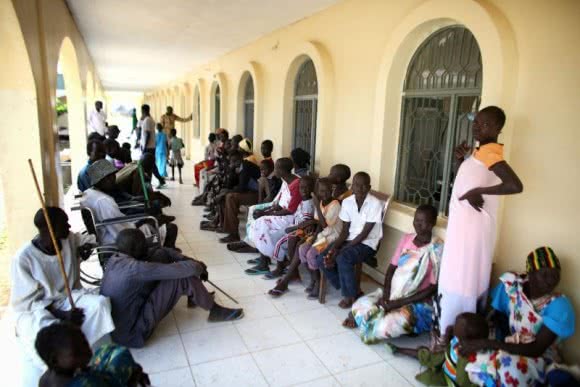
(144, 286)
(39, 287)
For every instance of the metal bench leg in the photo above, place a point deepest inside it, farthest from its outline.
(322, 289)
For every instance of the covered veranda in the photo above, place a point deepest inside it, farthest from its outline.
(334, 77)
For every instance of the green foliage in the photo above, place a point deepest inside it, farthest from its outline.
(61, 108)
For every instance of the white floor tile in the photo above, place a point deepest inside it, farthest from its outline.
(167, 327)
(407, 368)
(290, 365)
(161, 354)
(267, 333)
(213, 344)
(343, 352)
(315, 323)
(255, 307)
(380, 374)
(235, 371)
(175, 378)
(238, 287)
(225, 272)
(329, 381)
(189, 320)
(295, 301)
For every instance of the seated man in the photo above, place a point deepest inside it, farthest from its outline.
(209, 158)
(38, 288)
(404, 305)
(95, 151)
(104, 207)
(244, 193)
(358, 240)
(143, 292)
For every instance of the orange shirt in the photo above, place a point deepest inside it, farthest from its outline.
(489, 154)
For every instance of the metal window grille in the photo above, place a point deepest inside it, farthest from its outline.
(249, 109)
(217, 108)
(305, 108)
(442, 89)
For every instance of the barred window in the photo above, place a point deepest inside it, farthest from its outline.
(442, 91)
(305, 108)
(249, 109)
(216, 108)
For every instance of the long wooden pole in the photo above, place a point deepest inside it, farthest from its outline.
(52, 237)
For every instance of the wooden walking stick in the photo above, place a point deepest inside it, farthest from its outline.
(52, 237)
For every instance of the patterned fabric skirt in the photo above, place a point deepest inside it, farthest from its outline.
(375, 325)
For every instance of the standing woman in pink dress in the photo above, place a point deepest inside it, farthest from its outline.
(470, 239)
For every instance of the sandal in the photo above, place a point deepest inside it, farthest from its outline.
(253, 261)
(272, 275)
(257, 271)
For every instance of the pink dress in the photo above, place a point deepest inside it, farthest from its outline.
(470, 238)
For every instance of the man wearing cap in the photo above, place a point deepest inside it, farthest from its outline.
(99, 200)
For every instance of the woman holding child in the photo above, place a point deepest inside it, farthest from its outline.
(539, 319)
(404, 305)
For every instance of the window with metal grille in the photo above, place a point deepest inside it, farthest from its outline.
(305, 108)
(217, 108)
(442, 91)
(249, 109)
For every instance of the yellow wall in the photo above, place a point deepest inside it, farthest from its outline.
(361, 50)
(35, 35)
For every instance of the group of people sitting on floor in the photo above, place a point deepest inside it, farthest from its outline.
(144, 276)
(293, 218)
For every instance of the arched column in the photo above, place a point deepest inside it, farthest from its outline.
(76, 108)
(499, 57)
(18, 97)
(325, 115)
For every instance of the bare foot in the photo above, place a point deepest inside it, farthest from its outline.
(346, 303)
(349, 321)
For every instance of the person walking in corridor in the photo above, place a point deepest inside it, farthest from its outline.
(148, 138)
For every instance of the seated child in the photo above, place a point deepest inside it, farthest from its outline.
(448, 368)
(268, 183)
(176, 145)
(70, 361)
(272, 240)
(362, 230)
(112, 150)
(126, 153)
(328, 227)
(339, 175)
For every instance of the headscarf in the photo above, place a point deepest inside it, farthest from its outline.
(246, 145)
(542, 257)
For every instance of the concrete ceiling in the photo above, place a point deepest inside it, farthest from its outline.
(139, 44)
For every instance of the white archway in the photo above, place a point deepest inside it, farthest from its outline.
(499, 57)
(325, 117)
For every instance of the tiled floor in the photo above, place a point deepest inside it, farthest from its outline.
(279, 342)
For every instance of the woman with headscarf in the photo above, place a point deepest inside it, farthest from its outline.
(539, 319)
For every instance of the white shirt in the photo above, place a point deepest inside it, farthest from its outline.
(148, 126)
(36, 278)
(104, 207)
(97, 122)
(370, 212)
